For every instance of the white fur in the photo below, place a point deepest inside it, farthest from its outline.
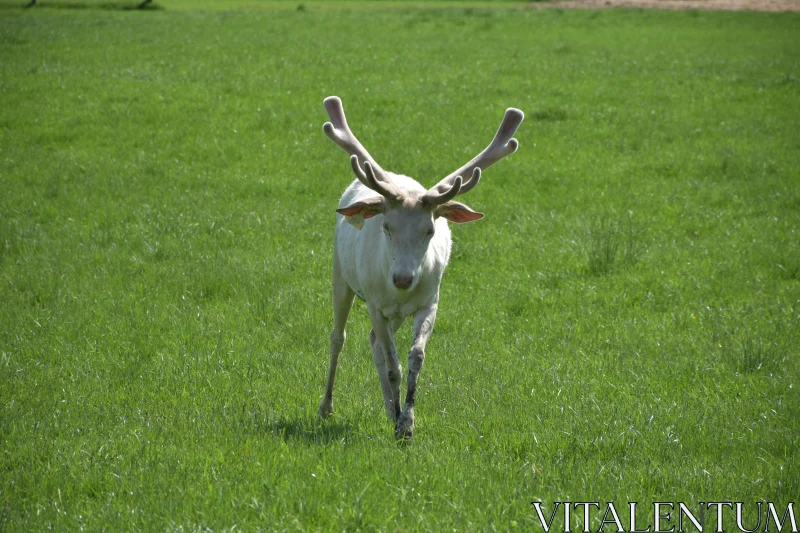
(394, 260)
(366, 260)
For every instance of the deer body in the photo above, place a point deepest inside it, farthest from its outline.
(365, 257)
(392, 245)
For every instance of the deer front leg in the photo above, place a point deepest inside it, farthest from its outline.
(380, 366)
(343, 297)
(423, 327)
(383, 330)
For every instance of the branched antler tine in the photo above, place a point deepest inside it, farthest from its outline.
(502, 145)
(360, 174)
(447, 183)
(444, 185)
(380, 183)
(339, 132)
(435, 198)
(473, 181)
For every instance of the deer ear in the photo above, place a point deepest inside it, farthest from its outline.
(456, 212)
(356, 213)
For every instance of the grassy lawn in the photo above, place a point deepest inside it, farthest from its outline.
(622, 326)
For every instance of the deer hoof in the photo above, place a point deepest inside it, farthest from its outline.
(325, 410)
(404, 429)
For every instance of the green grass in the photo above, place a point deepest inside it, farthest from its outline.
(622, 326)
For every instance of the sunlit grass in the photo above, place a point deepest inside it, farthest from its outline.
(622, 326)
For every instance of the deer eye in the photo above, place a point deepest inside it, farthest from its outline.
(430, 232)
(386, 228)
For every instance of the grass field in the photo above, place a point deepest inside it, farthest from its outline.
(622, 326)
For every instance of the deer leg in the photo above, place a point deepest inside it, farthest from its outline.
(343, 297)
(384, 338)
(423, 327)
(379, 358)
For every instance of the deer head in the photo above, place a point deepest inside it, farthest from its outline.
(410, 215)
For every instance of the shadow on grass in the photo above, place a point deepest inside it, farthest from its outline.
(146, 5)
(310, 431)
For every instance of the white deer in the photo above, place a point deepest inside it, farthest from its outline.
(391, 247)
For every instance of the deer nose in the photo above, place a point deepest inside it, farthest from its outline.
(402, 281)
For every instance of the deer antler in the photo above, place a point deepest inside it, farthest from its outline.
(433, 197)
(378, 182)
(502, 145)
(372, 175)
